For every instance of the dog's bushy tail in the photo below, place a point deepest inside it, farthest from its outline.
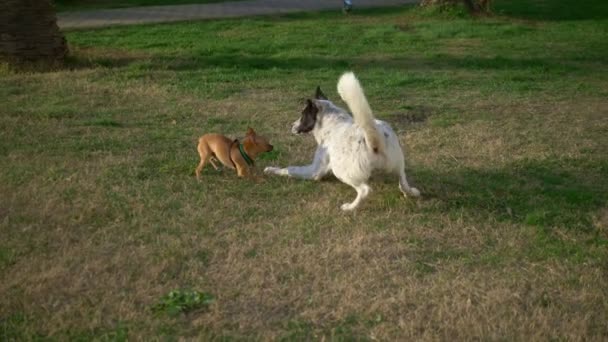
(351, 92)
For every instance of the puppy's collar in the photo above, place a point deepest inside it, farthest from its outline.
(245, 156)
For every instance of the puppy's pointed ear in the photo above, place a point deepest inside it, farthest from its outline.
(319, 94)
(250, 131)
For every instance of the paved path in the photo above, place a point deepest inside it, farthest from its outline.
(158, 14)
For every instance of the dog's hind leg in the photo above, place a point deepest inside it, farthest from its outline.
(405, 187)
(362, 191)
(204, 153)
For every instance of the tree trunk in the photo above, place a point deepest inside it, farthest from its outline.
(29, 32)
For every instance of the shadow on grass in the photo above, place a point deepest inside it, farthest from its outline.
(253, 62)
(301, 63)
(89, 58)
(548, 193)
(552, 10)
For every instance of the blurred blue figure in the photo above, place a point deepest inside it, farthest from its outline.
(347, 6)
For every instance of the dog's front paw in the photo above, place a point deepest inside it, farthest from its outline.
(271, 170)
(414, 192)
(347, 207)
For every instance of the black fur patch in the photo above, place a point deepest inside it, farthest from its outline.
(309, 118)
(319, 94)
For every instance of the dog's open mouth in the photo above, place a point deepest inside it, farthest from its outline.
(295, 128)
(298, 128)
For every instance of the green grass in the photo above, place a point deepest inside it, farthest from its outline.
(182, 301)
(503, 119)
(85, 5)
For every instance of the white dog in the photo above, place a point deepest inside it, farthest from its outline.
(351, 149)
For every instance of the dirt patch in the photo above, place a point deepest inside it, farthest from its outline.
(413, 117)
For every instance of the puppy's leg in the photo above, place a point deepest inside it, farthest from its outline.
(242, 171)
(362, 191)
(405, 187)
(204, 153)
(316, 170)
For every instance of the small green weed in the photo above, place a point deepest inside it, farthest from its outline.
(183, 301)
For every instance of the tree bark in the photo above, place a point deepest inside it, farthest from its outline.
(29, 32)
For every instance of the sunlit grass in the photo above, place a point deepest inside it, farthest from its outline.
(503, 123)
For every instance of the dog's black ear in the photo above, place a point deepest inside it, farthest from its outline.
(309, 104)
(312, 105)
(309, 117)
(319, 94)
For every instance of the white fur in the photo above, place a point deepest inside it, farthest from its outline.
(346, 146)
(351, 92)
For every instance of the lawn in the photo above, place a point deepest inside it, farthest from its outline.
(107, 235)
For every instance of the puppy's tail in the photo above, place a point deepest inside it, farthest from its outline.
(351, 92)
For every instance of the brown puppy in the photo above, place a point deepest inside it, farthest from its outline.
(232, 153)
